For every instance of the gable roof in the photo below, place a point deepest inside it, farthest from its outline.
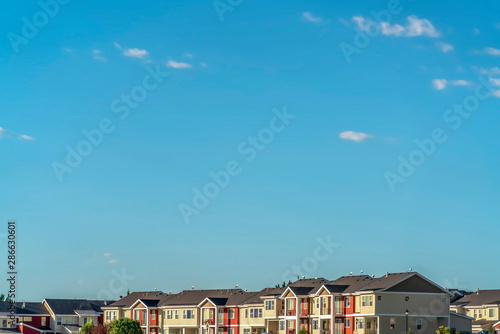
(480, 298)
(29, 309)
(131, 299)
(195, 297)
(73, 306)
(398, 282)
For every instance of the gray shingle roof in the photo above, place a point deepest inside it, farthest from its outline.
(69, 306)
(30, 308)
(482, 297)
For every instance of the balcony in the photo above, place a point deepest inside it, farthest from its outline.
(325, 311)
(210, 322)
(291, 312)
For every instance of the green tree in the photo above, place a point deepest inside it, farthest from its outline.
(409, 331)
(443, 330)
(491, 330)
(303, 330)
(87, 327)
(125, 326)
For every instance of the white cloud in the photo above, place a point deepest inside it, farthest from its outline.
(189, 55)
(414, 27)
(440, 84)
(98, 55)
(107, 254)
(136, 53)
(496, 93)
(25, 137)
(2, 131)
(492, 51)
(113, 261)
(476, 31)
(203, 64)
(355, 136)
(311, 18)
(118, 46)
(178, 65)
(444, 47)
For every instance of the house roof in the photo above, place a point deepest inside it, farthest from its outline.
(71, 306)
(480, 298)
(130, 299)
(9, 331)
(30, 308)
(194, 297)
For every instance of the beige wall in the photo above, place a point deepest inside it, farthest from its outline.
(180, 321)
(245, 316)
(429, 324)
(461, 324)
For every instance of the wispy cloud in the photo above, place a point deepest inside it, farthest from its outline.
(492, 51)
(354, 136)
(189, 55)
(476, 31)
(107, 254)
(413, 28)
(112, 261)
(444, 47)
(10, 134)
(135, 53)
(441, 84)
(178, 65)
(203, 64)
(97, 54)
(311, 17)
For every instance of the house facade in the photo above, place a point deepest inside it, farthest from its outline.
(354, 304)
(483, 306)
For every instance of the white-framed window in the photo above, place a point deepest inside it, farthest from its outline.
(136, 315)
(246, 313)
(359, 324)
(282, 325)
(153, 330)
(290, 324)
(176, 314)
(347, 302)
(367, 301)
(188, 314)
(348, 323)
(220, 331)
(419, 324)
(492, 313)
(230, 313)
(153, 315)
(44, 321)
(315, 324)
(169, 314)
(246, 331)
(290, 303)
(269, 305)
(59, 322)
(230, 331)
(255, 313)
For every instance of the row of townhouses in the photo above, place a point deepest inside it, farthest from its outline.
(353, 304)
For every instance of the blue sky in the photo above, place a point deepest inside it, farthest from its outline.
(225, 74)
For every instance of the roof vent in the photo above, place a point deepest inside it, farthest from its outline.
(411, 269)
(105, 302)
(350, 274)
(361, 271)
(24, 304)
(236, 286)
(303, 277)
(155, 289)
(386, 274)
(373, 276)
(170, 292)
(192, 287)
(477, 291)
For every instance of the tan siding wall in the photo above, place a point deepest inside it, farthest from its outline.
(460, 324)
(181, 321)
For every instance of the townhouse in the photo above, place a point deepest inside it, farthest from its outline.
(31, 318)
(353, 304)
(483, 306)
(51, 316)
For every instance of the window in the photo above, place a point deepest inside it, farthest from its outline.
(317, 303)
(393, 323)
(367, 301)
(153, 315)
(169, 314)
(290, 324)
(4, 323)
(282, 325)
(220, 331)
(315, 324)
(492, 313)
(153, 330)
(136, 315)
(347, 302)
(269, 305)
(359, 324)
(84, 320)
(246, 331)
(338, 305)
(246, 313)
(290, 303)
(44, 321)
(230, 313)
(407, 298)
(230, 331)
(176, 314)
(419, 324)
(348, 323)
(188, 314)
(255, 313)
(59, 321)
(379, 297)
